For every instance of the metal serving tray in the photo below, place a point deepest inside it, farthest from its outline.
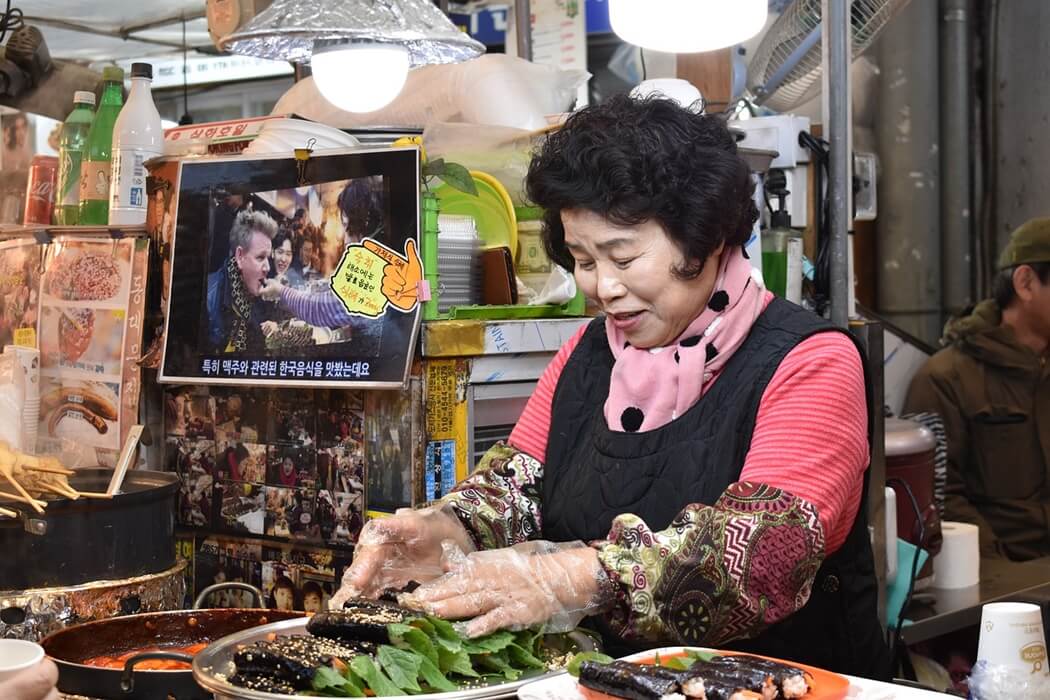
(213, 665)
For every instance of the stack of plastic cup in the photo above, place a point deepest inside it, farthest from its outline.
(29, 359)
(1011, 653)
(18, 655)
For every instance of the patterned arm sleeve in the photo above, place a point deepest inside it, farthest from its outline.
(717, 573)
(322, 309)
(499, 504)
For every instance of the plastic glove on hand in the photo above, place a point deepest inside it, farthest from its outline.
(394, 551)
(534, 583)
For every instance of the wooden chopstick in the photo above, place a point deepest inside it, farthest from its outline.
(29, 499)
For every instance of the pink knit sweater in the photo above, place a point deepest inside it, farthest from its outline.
(810, 436)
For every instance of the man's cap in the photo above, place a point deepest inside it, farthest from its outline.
(1029, 244)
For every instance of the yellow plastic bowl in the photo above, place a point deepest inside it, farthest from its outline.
(492, 209)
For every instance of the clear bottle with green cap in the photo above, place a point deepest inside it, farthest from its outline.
(70, 154)
(95, 168)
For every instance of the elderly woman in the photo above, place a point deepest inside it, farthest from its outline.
(690, 468)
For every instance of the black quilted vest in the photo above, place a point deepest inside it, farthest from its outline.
(593, 474)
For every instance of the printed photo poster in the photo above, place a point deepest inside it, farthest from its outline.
(185, 550)
(291, 576)
(295, 578)
(17, 135)
(222, 560)
(243, 507)
(296, 274)
(19, 291)
(89, 332)
(394, 448)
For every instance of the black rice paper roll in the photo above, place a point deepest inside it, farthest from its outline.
(632, 681)
(722, 682)
(790, 681)
(292, 660)
(359, 621)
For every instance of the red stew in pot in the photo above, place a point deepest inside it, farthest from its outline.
(118, 660)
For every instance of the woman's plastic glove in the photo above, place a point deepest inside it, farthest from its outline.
(534, 583)
(405, 547)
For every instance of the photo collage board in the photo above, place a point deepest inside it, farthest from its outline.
(279, 464)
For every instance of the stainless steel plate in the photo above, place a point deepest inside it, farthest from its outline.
(214, 665)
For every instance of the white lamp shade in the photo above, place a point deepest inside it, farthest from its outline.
(360, 77)
(687, 26)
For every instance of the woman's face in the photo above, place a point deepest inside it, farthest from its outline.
(282, 257)
(628, 272)
(284, 598)
(312, 603)
(288, 465)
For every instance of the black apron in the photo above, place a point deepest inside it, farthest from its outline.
(593, 474)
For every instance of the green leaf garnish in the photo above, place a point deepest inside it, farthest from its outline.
(402, 666)
(378, 681)
(330, 682)
(576, 661)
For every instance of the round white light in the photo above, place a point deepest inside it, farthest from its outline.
(687, 26)
(360, 77)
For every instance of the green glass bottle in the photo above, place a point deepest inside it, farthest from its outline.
(70, 155)
(95, 168)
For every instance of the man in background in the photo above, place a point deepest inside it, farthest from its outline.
(991, 385)
(234, 315)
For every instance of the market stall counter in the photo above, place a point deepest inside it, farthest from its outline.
(937, 611)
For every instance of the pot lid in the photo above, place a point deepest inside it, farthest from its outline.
(907, 437)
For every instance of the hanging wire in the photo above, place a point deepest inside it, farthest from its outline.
(11, 20)
(641, 54)
(898, 649)
(186, 118)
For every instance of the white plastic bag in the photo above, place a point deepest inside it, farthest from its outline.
(560, 287)
(491, 89)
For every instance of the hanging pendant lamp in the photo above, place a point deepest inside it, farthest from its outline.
(360, 50)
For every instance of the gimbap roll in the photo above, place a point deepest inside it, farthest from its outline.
(790, 681)
(632, 681)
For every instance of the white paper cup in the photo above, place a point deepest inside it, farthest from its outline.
(1012, 636)
(16, 655)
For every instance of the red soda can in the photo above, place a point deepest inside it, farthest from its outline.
(40, 190)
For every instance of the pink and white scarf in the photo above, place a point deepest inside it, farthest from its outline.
(651, 387)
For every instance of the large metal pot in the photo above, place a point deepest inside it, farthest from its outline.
(74, 542)
(34, 613)
(73, 645)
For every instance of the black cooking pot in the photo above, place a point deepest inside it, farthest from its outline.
(119, 635)
(92, 539)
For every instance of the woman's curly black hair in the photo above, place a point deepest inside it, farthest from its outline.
(632, 161)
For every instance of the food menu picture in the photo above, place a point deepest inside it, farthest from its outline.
(19, 291)
(80, 301)
(295, 273)
(89, 332)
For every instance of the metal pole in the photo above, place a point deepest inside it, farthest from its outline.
(835, 18)
(956, 221)
(907, 127)
(523, 28)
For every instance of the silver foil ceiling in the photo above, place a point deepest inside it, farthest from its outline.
(287, 29)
